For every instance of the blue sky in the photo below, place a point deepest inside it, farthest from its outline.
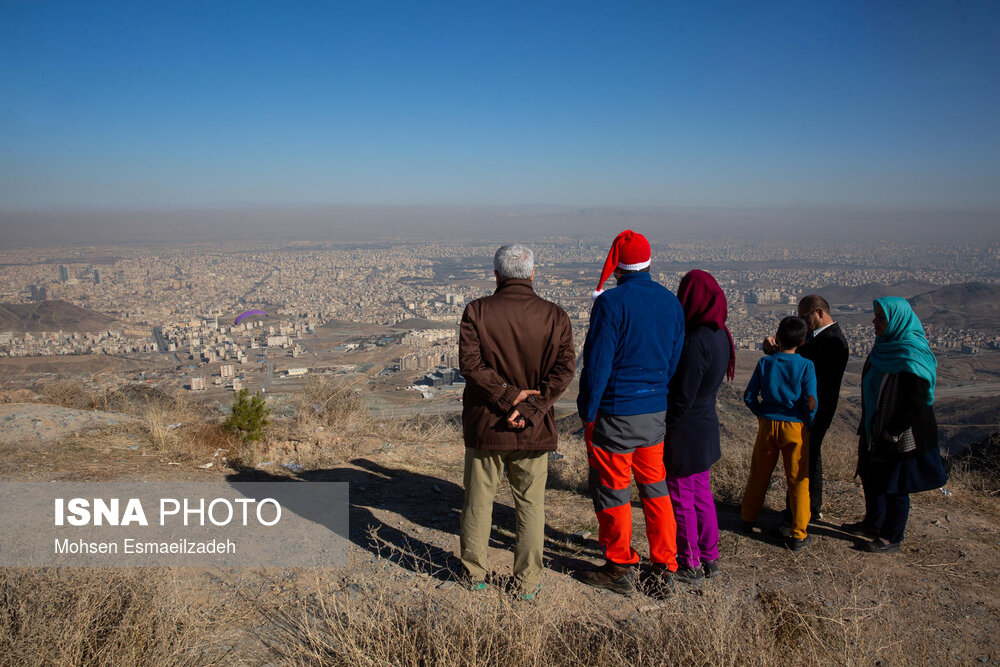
(845, 104)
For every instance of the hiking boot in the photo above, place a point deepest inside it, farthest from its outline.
(617, 578)
(859, 528)
(689, 575)
(881, 546)
(661, 585)
(796, 544)
(711, 568)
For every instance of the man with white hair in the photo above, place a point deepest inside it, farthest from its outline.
(516, 354)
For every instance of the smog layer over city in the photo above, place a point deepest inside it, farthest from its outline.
(237, 244)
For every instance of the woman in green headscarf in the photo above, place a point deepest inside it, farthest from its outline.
(898, 449)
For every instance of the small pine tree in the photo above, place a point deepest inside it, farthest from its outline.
(249, 417)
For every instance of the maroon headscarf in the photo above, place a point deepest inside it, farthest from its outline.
(705, 305)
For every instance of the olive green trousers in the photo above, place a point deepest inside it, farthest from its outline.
(527, 471)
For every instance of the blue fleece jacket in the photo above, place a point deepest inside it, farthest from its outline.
(779, 388)
(635, 340)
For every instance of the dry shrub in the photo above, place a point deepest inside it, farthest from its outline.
(206, 440)
(333, 402)
(68, 394)
(135, 399)
(108, 617)
(177, 427)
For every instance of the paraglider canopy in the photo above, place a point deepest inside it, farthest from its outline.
(247, 314)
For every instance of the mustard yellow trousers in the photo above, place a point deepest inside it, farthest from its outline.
(791, 440)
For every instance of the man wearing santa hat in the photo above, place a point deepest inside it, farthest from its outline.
(632, 349)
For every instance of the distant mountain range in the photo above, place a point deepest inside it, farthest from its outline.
(865, 294)
(55, 315)
(961, 306)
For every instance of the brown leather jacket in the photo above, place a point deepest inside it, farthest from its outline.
(509, 341)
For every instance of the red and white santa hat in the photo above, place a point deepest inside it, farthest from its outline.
(629, 251)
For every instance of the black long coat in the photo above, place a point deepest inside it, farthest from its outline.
(692, 442)
(921, 470)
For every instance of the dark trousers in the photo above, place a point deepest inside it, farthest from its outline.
(815, 474)
(887, 513)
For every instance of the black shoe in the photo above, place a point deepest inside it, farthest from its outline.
(796, 544)
(859, 528)
(689, 575)
(746, 527)
(711, 568)
(881, 546)
(661, 585)
(617, 578)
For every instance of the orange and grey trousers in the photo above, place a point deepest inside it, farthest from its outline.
(791, 441)
(619, 447)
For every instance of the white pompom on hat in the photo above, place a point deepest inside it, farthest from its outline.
(629, 251)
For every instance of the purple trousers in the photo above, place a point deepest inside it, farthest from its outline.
(697, 522)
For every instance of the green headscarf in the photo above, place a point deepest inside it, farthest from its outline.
(902, 348)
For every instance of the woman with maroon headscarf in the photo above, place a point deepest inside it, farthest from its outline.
(692, 442)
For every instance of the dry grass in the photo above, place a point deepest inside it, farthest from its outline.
(770, 627)
(69, 394)
(978, 468)
(17, 396)
(332, 424)
(333, 403)
(171, 425)
(109, 617)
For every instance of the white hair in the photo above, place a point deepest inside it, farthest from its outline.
(514, 261)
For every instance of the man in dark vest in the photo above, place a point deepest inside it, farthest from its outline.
(827, 348)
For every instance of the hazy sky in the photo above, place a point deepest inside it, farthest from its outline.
(804, 103)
